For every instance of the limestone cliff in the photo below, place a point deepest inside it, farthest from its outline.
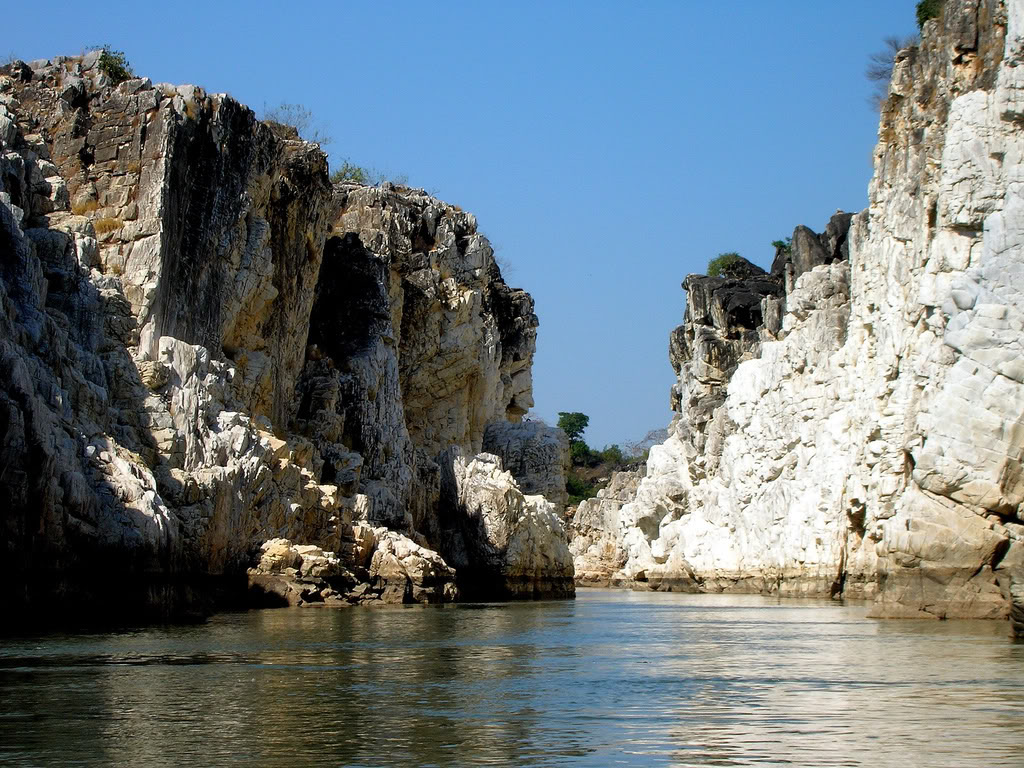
(205, 346)
(861, 431)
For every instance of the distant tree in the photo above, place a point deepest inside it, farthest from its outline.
(880, 63)
(783, 246)
(573, 424)
(612, 454)
(113, 63)
(351, 172)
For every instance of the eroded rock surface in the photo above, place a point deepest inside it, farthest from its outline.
(535, 454)
(204, 346)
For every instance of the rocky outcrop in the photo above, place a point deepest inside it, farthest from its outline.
(493, 534)
(204, 346)
(872, 446)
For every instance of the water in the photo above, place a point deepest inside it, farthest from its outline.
(614, 678)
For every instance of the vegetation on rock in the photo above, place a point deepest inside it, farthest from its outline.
(115, 65)
(351, 172)
(880, 63)
(298, 117)
(928, 9)
(721, 263)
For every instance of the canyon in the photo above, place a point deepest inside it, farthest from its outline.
(227, 380)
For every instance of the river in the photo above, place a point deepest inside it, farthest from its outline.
(612, 678)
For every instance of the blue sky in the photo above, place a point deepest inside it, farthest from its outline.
(607, 148)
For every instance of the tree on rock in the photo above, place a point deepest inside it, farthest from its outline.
(573, 424)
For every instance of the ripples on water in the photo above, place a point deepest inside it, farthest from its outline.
(613, 678)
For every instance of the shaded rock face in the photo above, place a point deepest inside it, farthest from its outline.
(871, 449)
(493, 534)
(723, 326)
(535, 454)
(204, 346)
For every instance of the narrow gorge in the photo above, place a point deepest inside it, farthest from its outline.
(227, 380)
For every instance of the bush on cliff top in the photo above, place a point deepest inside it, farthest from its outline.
(928, 9)
(721, 263)
(115, 65)
(351, 172)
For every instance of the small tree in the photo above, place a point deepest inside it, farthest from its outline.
(351, 172)
(880, 63)
(299, 118)
(573, 424)
(114, 64)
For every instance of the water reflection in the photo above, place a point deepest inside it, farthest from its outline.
(610, 679)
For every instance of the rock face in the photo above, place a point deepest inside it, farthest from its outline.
(869, 444)
(535, 454)
(493, 533)
(204, 346)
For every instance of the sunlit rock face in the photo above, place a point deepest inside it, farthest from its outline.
(204, 346)
(870, 443)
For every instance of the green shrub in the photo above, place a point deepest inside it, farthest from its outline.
(115, 65)
(928, 9)
(351, 172)
(721, 263)
(612, 455)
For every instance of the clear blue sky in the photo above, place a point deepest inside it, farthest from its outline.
(607, 148)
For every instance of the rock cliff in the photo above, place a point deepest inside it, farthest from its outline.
(853, 423)
(205, 346)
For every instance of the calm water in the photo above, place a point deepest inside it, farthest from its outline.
(614, 678)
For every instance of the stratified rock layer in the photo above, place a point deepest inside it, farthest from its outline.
(870, 443)
(204, 346)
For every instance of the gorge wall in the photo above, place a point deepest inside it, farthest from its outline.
(213, 361)
(852, 424)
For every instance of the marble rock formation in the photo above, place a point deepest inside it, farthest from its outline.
(594, 531)
(496, 534)
(205, 346)
(867, 442)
